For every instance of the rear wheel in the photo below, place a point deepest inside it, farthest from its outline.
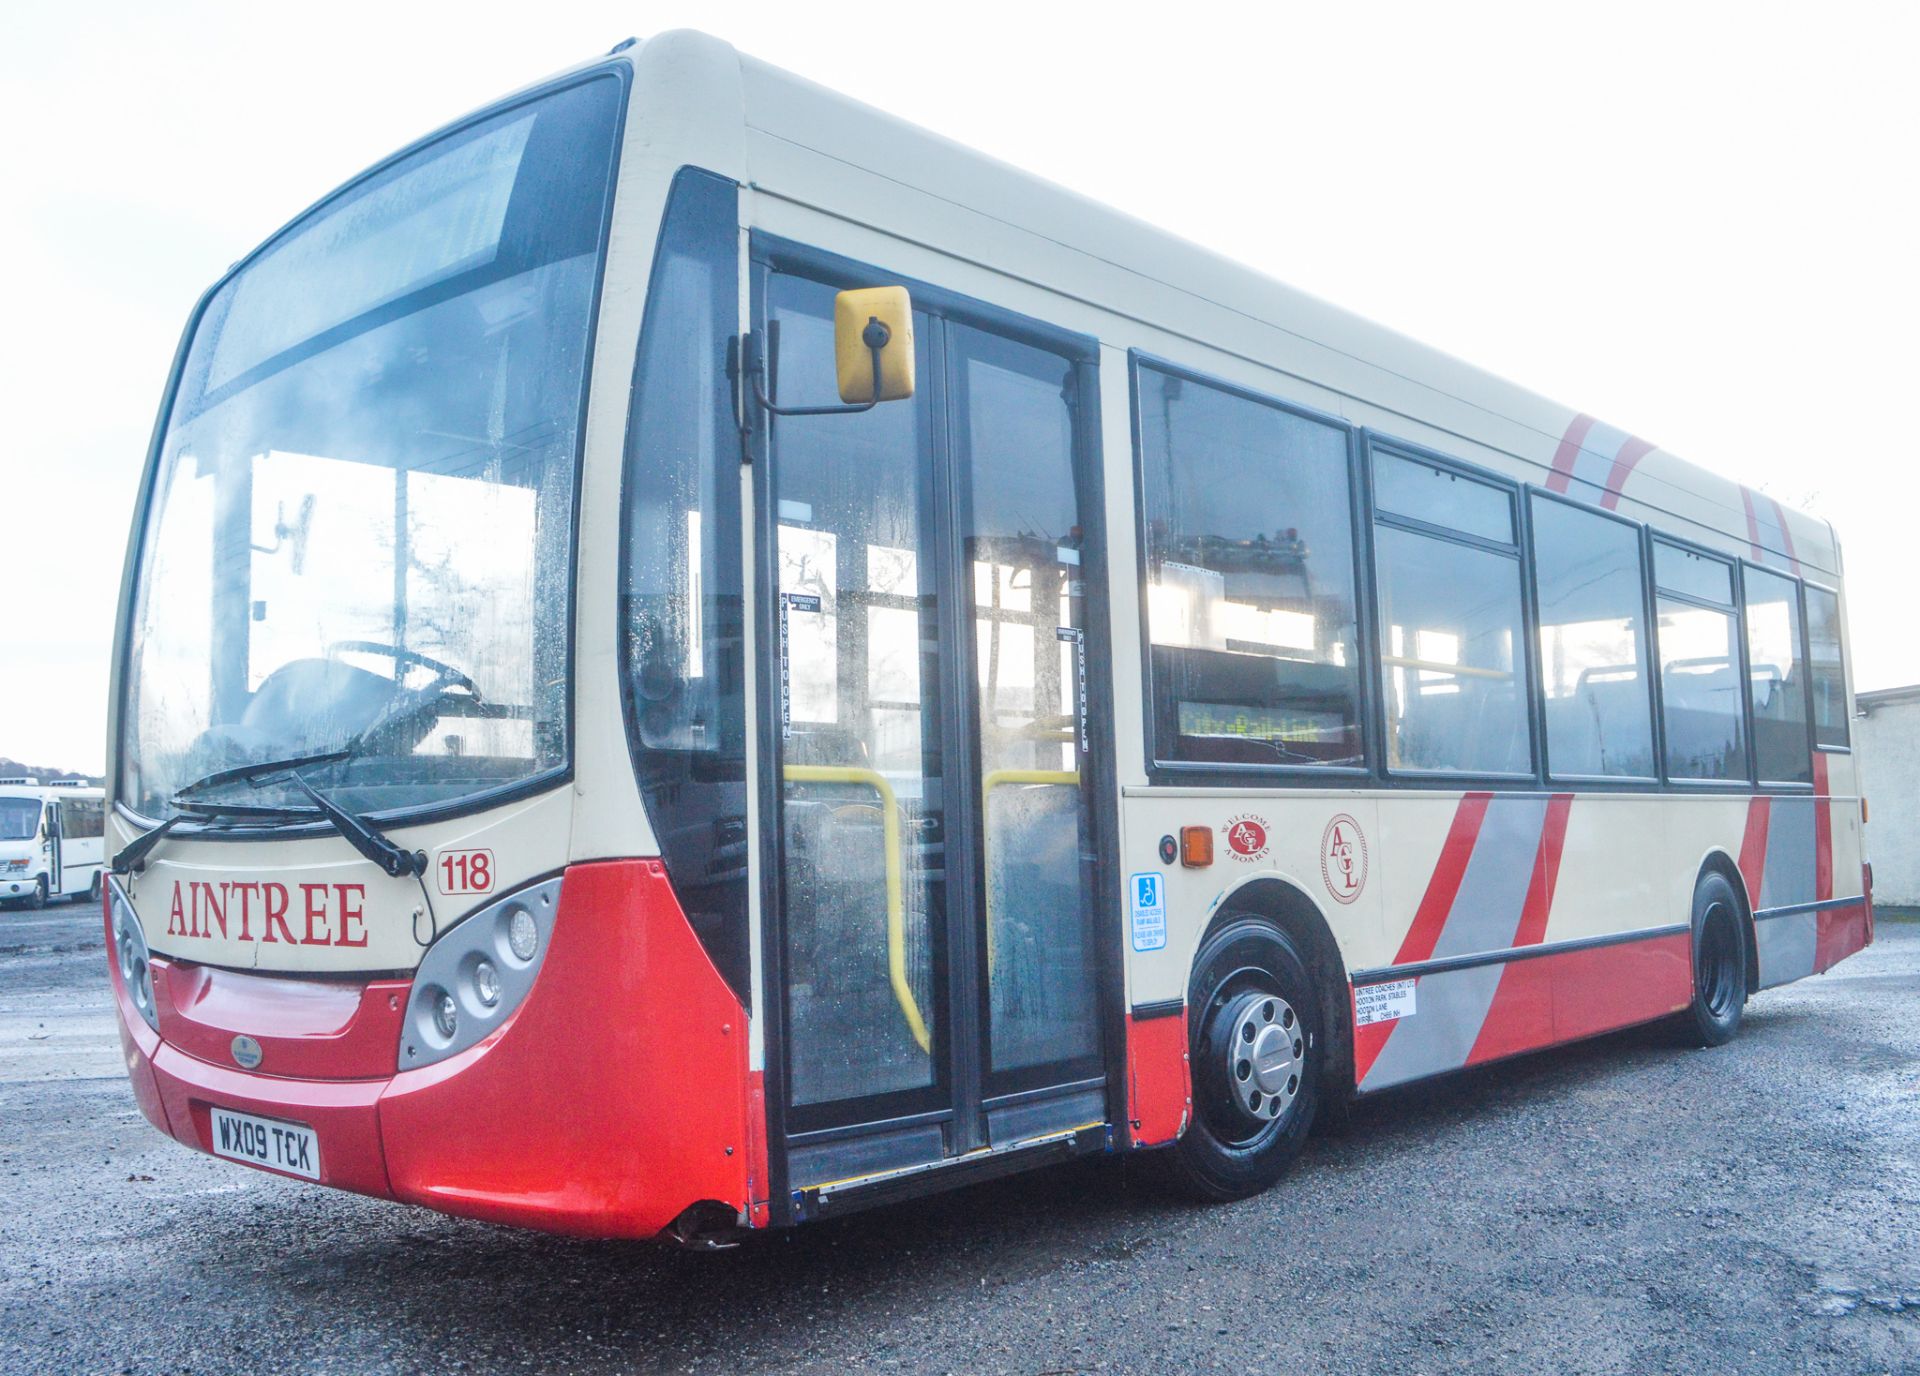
(1255, 1050)
(1719, 965)
(93, 889)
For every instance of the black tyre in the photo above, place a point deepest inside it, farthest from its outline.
(1719, 965)
(1256, 1050)
(38, 898)
(93, 889)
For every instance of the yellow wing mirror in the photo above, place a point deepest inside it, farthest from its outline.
(873, 344)
(872, 348)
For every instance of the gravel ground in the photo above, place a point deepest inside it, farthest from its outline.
(1620, 1206)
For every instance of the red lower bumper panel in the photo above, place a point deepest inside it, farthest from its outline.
(613, 1100)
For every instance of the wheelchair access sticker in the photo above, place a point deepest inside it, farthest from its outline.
(1147, 900)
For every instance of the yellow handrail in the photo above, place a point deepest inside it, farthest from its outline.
(993, 780)
(896, 898)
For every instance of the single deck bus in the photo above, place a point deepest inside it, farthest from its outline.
(693, 657)
(51, 839)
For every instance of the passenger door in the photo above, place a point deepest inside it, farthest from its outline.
(56, 872)
(936, 840)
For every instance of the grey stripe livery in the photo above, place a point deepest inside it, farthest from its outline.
(1451, 1006)
(1785, 945)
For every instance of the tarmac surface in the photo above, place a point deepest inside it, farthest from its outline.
(1618, 1206)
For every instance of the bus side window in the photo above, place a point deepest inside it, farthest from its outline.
(81, 819)
(1448, 583)
(1592, 642)
(1777, 678)
(1827, 667)
(1701, 700)
(1249, 580)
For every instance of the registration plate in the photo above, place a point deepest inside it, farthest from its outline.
(290, 1147)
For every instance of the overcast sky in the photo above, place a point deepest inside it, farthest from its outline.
(1697, 222)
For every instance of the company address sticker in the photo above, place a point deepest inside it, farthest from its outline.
(1383, 1002)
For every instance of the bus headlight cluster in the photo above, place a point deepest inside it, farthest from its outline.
(477, 972)
(130, 954)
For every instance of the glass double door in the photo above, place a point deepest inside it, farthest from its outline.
(935, 841)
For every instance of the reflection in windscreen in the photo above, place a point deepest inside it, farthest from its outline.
(1250, 589)
(460, 604)
(362, 521)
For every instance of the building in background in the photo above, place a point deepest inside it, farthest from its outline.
(1887, 737)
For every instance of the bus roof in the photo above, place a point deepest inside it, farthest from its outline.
(697, 100)
(799, 141)
(59, 788)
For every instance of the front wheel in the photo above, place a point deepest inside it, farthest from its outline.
(1256, 1049)
(1719, 965)
(38, 898)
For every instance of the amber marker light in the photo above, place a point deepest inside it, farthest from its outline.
(1196, 847)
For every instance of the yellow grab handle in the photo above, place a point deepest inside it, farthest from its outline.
(1027, 776)
(896, 897)
(995, 779)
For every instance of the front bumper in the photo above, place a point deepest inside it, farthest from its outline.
(19, 883)
(614, 1099)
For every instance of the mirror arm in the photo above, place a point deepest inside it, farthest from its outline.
(753, 367)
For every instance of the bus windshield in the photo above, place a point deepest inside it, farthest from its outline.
(359, 533)
(19, 819)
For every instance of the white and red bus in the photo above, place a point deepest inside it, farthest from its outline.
(694, 657)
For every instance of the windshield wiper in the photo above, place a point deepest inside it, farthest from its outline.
(129, 858)
(136, 850)
(250, 772)
(362, 835)
(366, 838)
(183, 800)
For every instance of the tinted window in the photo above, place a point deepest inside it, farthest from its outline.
(1827, 664)
(1702, 706)
(1407, 487)
(1592, 642)
(680, 606)
(1692, 575)
(1777, 679)
(1450, 632)
(81, 819)
(1250, 579)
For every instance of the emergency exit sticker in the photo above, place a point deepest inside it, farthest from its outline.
(1383, 1002)
(1147, 900)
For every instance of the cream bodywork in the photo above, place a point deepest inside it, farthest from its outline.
(823, 170)
(526, 840)
(1628, 864)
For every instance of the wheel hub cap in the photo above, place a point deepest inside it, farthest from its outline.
(1265, 1054)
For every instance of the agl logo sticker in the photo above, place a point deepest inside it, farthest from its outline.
(1247, 837)
(1343, 858)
